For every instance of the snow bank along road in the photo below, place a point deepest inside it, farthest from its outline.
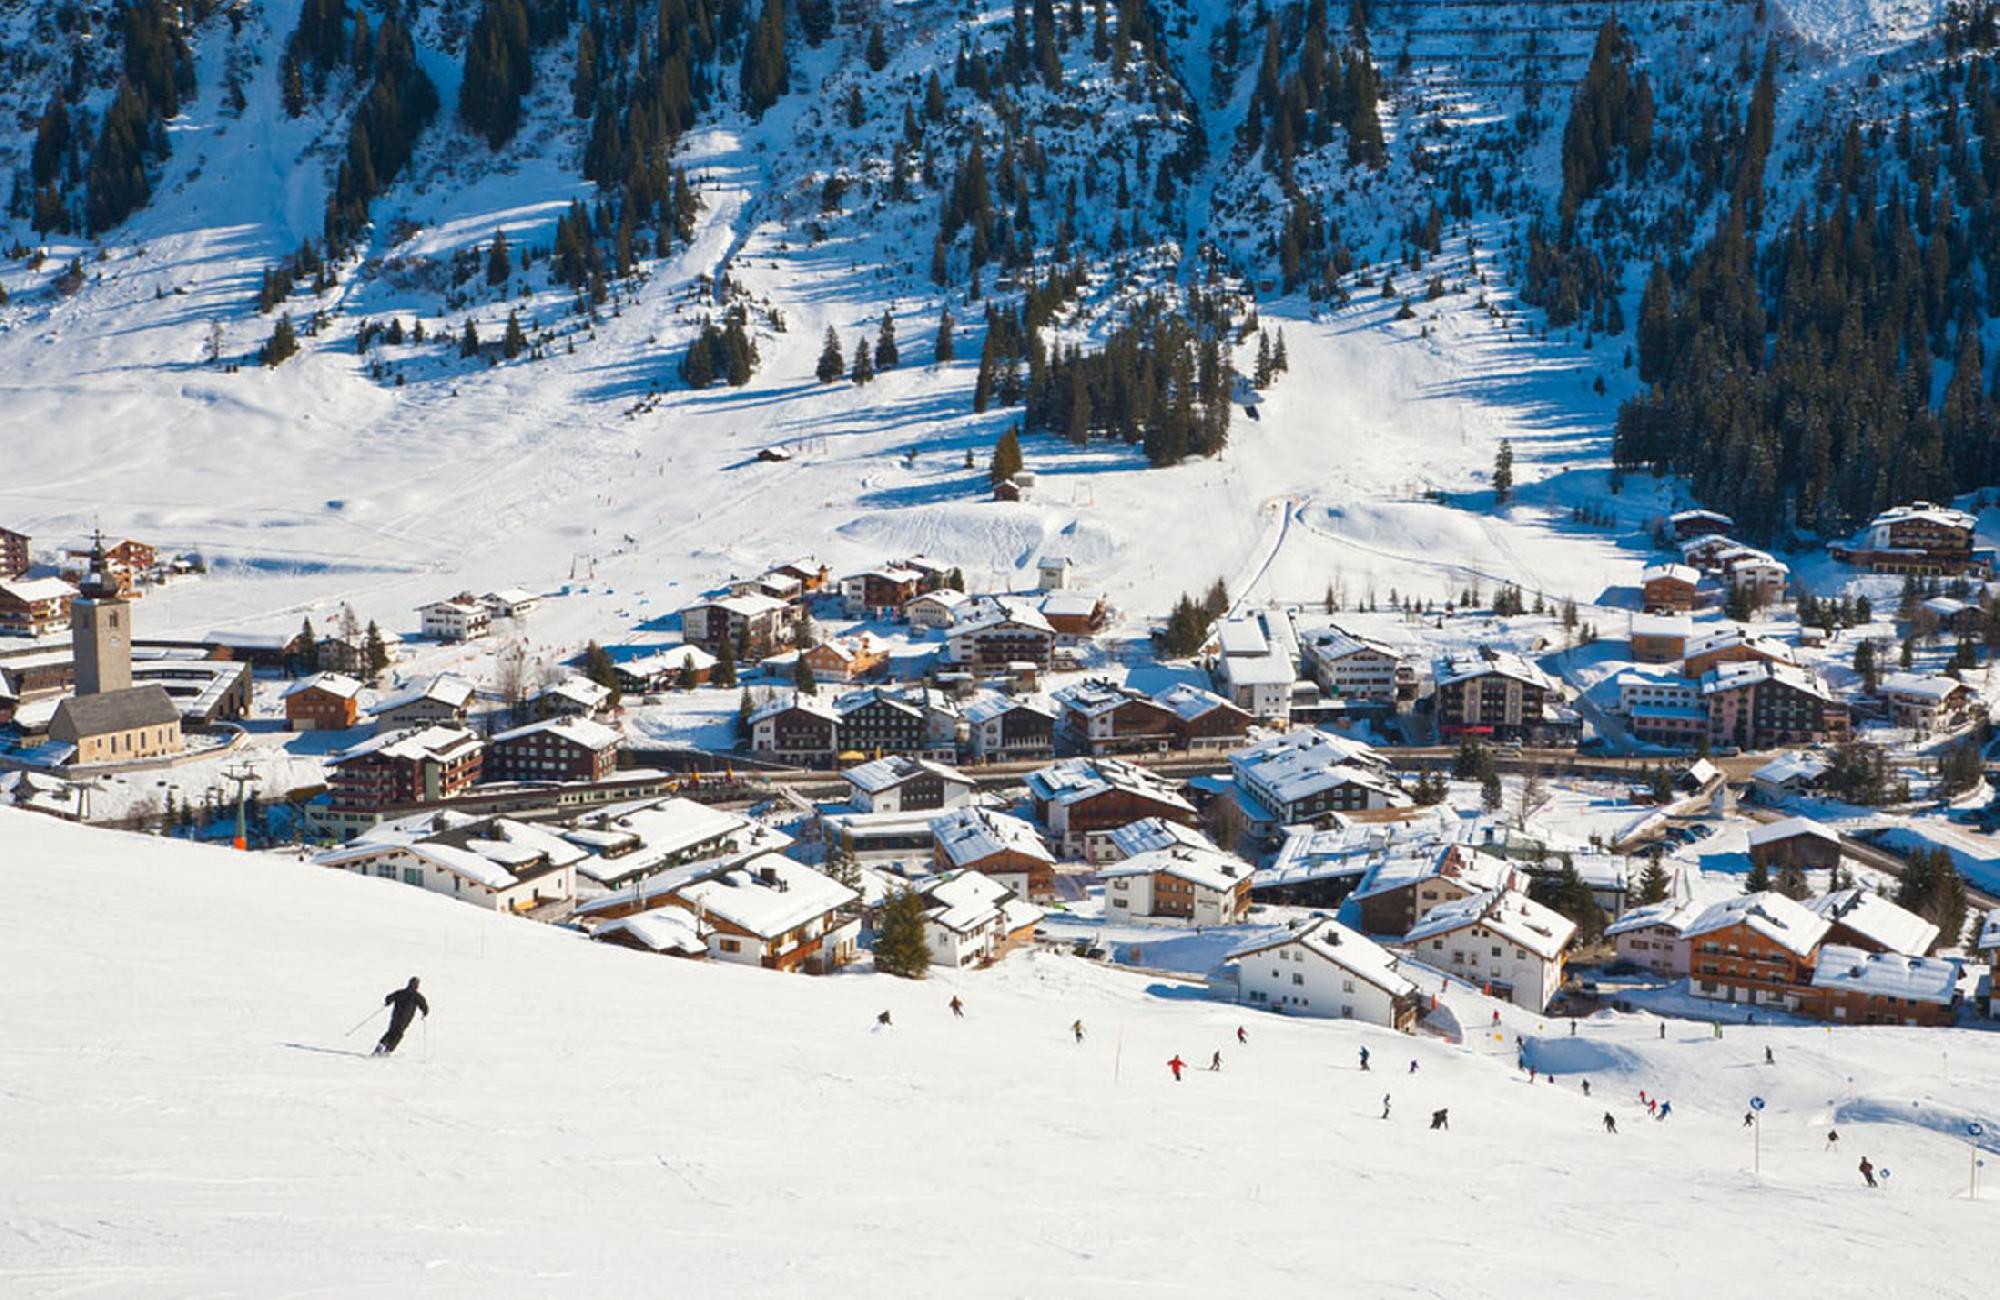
(181, 1118)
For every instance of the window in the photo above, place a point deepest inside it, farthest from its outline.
(413, 875)
(1496, 950)
(386, 870)
(730, 945)
(1347, 986)
(1298, 977)
(1437, 945)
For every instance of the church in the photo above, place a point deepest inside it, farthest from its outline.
(109, 720)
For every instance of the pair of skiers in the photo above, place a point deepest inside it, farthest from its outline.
(1440, 1119)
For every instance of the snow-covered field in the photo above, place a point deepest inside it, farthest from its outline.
(183, 1118)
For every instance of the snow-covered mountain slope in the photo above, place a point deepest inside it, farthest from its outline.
(184, 1116)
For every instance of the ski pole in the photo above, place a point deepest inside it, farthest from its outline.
(427, 1040)
(364, 1020)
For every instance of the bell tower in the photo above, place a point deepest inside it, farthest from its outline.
(100, 628)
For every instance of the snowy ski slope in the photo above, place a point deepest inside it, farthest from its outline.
(182, 1118)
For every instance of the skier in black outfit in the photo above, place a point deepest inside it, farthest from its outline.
(406, 1003)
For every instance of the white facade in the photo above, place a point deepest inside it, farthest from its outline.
(1325, 970)
(1502, 940)
(935, 609)
(1639, 690)
(456, 620)
(462, 875)
(1352, 668)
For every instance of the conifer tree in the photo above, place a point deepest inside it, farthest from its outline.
(374, 651)
(468, 340)
(1006, 457)
(944, 348)
(308, 647)
(1503, 472)
(499, 261)
(863, 369)
(765, 70)
(878, 51)
(886, 355)
(900, 949)
(282, 344)
(802, 674)
(725, 666)
(515, 342)
(832, 365)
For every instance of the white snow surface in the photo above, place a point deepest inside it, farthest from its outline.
(578, 1120)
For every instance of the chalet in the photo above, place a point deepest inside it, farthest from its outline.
(807, 572)
(1759, 574)
(1766, 705)
(1669, 588)
(1303, 777)
(876, 720)
(134, 724)
(777, 586)
(14, 558)
(1203, 719)
(768, 910)
(1757, 949)
(633, 842)
(1946, 614)
(980, 839)
(462, 618)
(1788, 776)
(1650, 936)
(669, 931)
(1082, 801)
(1076, 616)
(1930, 703)
(1407, 884)
(557, 749)
(1857, 987)
(1052, 572)
(847, 659)
(127, 562)
(998, 634)
(405, 766)
(1498, 694)
(34, 607)
(1660, 638)
(276, 650)
(1101, 718)
(753, 626)
(1864, 919)
(935, 609)
(1732, 643)
(799, 728)
(1698, 523)
(971, 919)
(323, 702)
(1356, 668)
(666, 669)
(1794, 844)
(1501, 940)
(1006, 490)
(1152, 834)
(510, 602)
(879, 593)
(1700, 551)
(1202, 887)
(1000, 728)
(432, 701)
(901, 783)
(496, 863)
(1920, 538)
(1325, 969)
(572, 697)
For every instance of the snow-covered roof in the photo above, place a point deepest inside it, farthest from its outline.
(1795, 766)
(1462, 665)
(1352, 952)
(888, 573)
(578, 731)
(1789, 828)
(969, 835)
(966, 901)
(1299, 764)
(1878, 920)
(1791, 925)
(667, 829)
(1671, 572)
(990, 706)
(1886, 974)
(1094, 696)
(338, 685)
(1662, 625)
(945, 598)
(1989, 932)
(1945, 606)
(894, 769)
(1404, 866)
(1699, 515)
(1150, 834)
(1508, 913)
(578, 690)
(746, 606)
(1242, 636)
(1071, 779)
(438, 744)
(663, 929)
(1312, 854)
(1070, 604)
(668, 659)
(1735, 676)
(1190, 701)
(814, 704)
(511, 596)
(1934, 687)
(1731, 635)
(767, 894)
(1258, 670)
(452, 691)
(29, 590)
(1335, 643)
(1673, 914)
(992, 615)
(1924, 512)
(1205, 868)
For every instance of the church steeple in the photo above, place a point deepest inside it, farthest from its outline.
(100, 628)
(98, 584)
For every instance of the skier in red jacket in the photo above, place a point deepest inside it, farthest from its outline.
(1177, 1065)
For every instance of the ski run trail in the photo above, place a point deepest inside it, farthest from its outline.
(183, 1118)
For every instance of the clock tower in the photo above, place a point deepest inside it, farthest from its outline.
(100, 624)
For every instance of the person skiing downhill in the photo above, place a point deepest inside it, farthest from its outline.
(1077, 1029)
(1385, 1105)
(884, 1022)
(1768, 1059)
(1586, 1087)
(1215, 1062)
(1610, 1124)
(957, 1008)
(1440, 1119)
(405, 1002)
(1413, 1067)
(1364, 1058)
(1177, 1065)
(1749, 1118)
(1867, 1172)
(1666, 1109)
(1832, 1138)
(1241, 1036)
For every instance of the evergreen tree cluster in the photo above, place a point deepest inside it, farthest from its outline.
(500, 62)
(723, 352)
(1329, 87)
(399, 103)
(1189, 622)
(111, 164)
(1932, 888)
(1610, 119)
